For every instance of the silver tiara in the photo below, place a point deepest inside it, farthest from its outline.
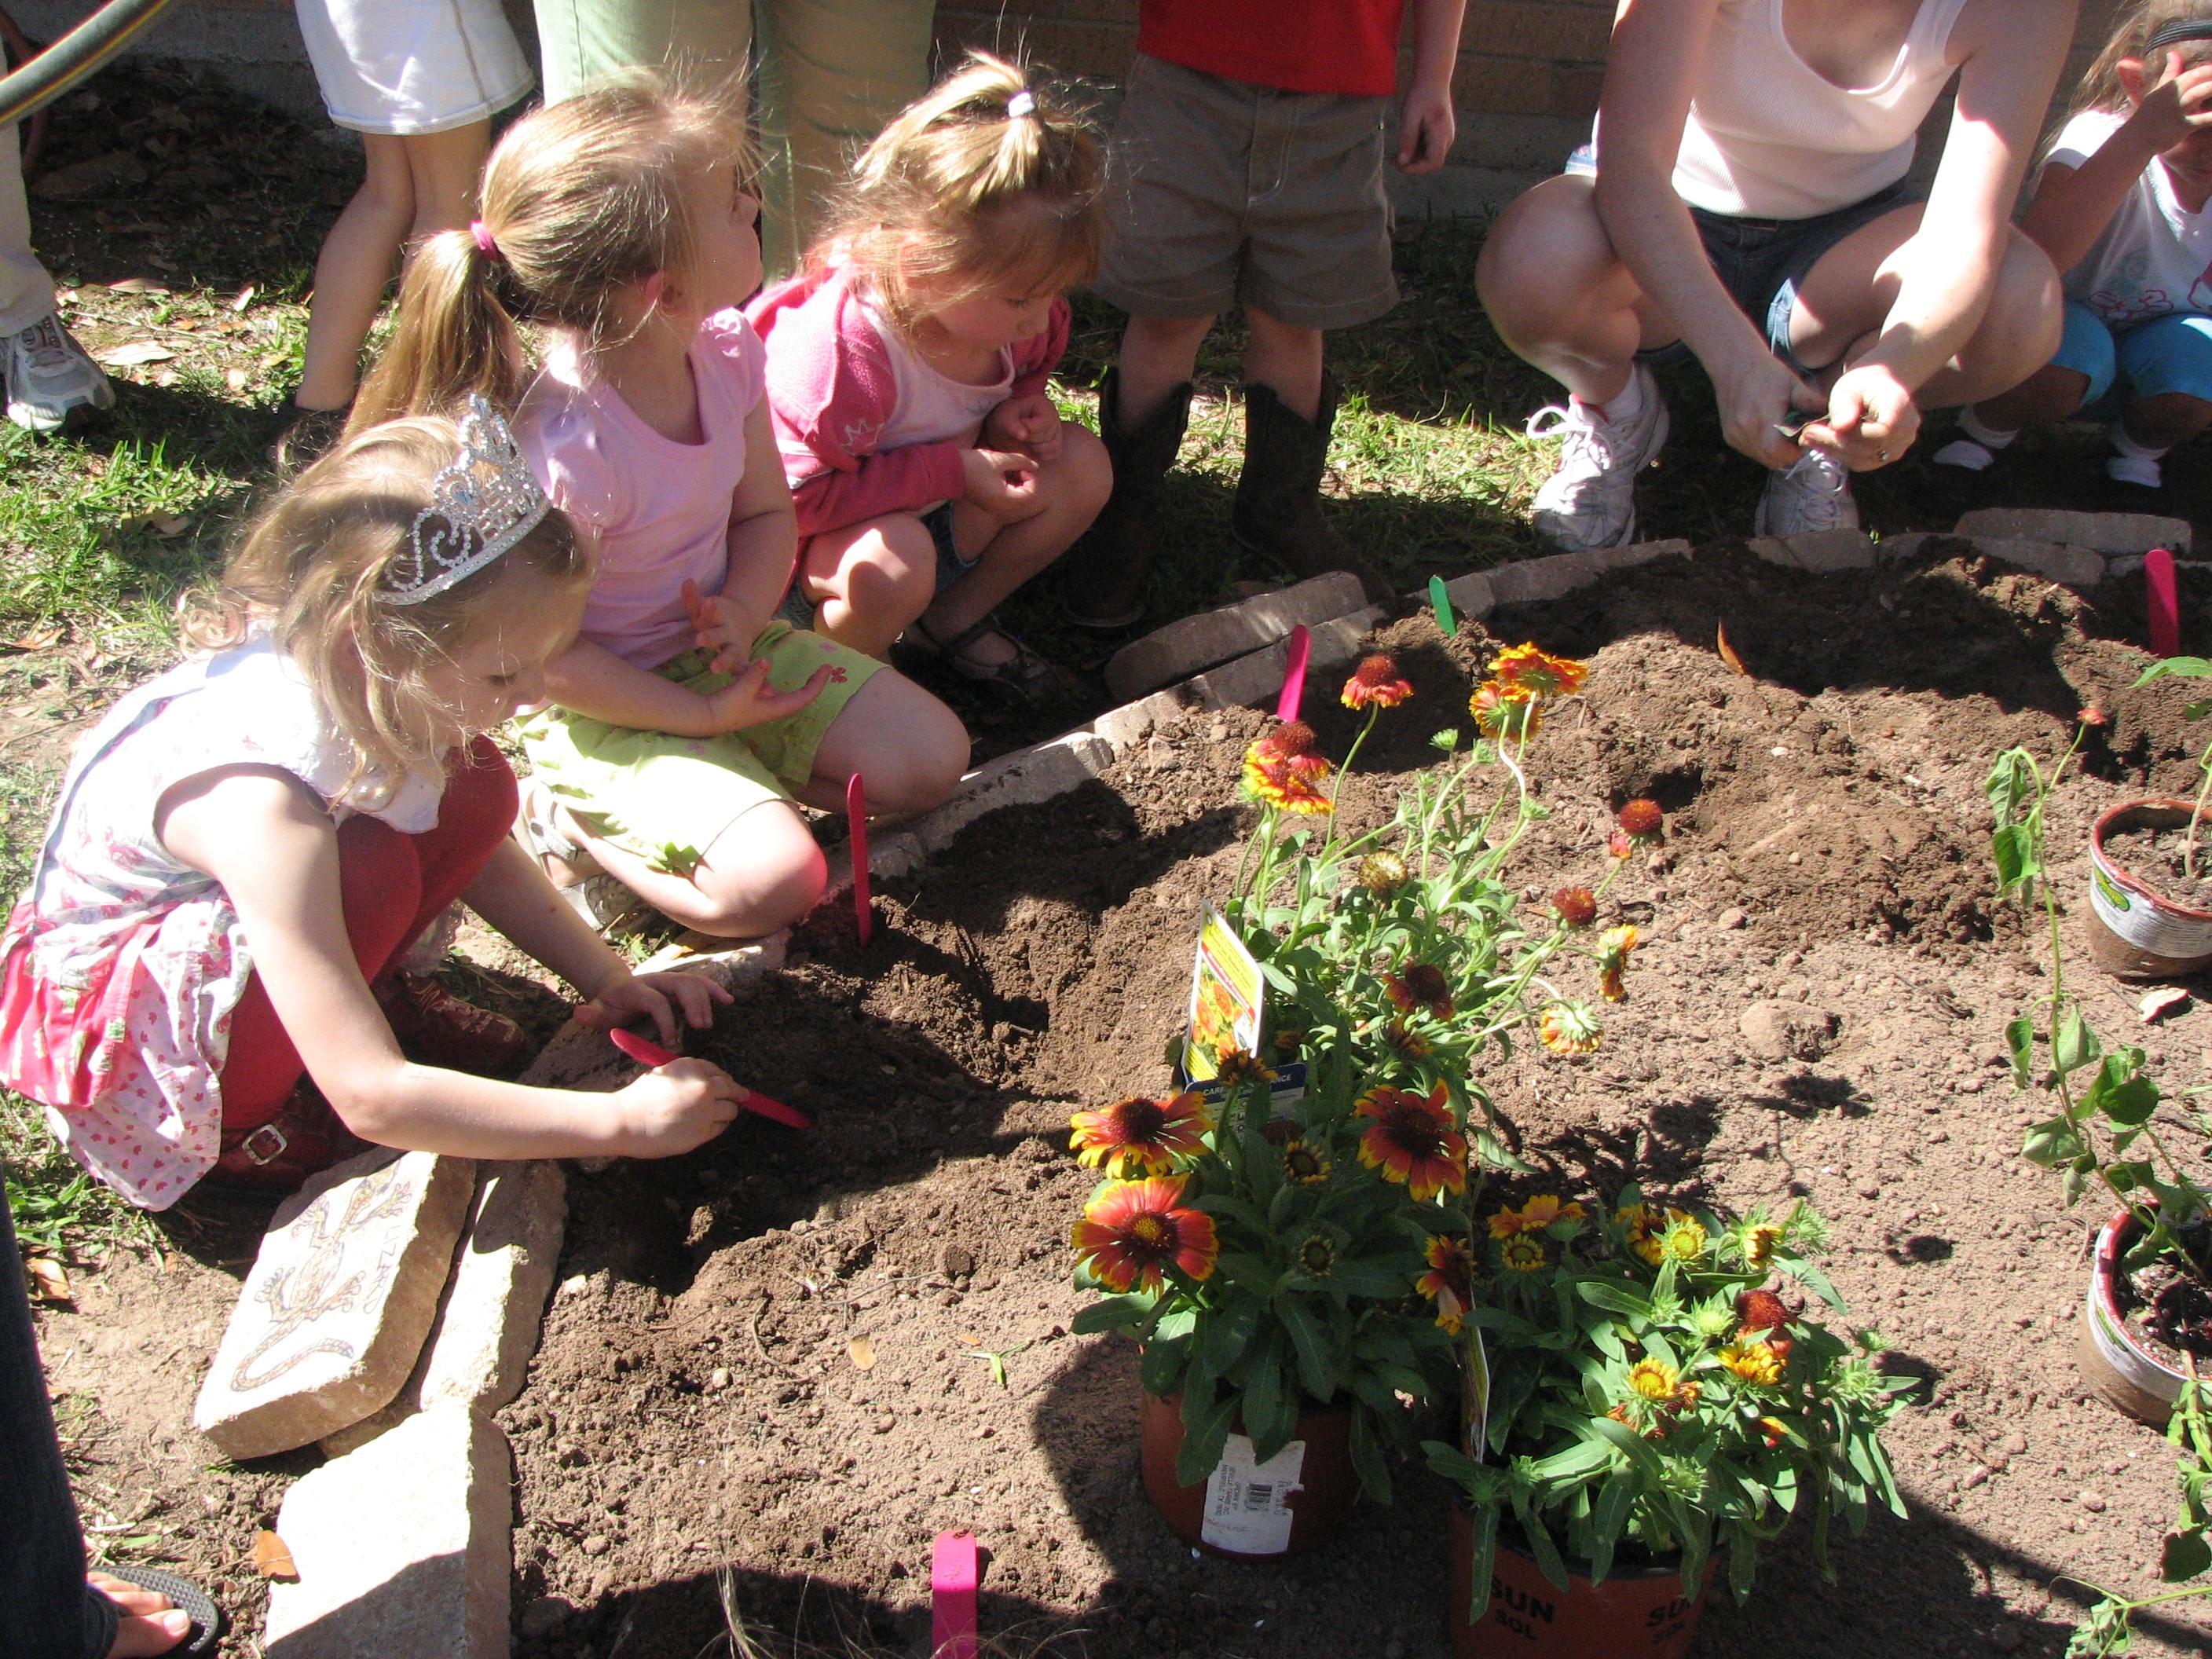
(481, 502)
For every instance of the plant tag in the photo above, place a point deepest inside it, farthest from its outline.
(1441, 601)
(2161, 604)
(1294, 673)
(1226, 997)
(856, 819)
(954, 1572)
(1248, 1504)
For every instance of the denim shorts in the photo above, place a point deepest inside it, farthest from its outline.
(799, 611)
(1762, 262)
(2173, 353)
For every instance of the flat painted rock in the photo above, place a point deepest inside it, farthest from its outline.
(332, 1318)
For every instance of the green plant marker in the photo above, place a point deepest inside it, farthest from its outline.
(1442, 601)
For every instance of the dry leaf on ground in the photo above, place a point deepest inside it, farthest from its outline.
(49, 1280)
(863, 1350)
(272, 1559)
(132, 352)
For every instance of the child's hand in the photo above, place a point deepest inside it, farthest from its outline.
(1028, 423)
(716, 626)
(2177, 106)
(750, 700)
(1003, 484)
(1872, 420)
(650, 995)
(1427, 128)
(674, 1108)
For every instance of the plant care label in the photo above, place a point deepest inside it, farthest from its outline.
(1248, 1504)
(1226, 999)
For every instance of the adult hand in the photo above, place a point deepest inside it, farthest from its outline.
(652, 995)
(1002, 483)
(675, 1108)
(150, 1624)
(1028, 423)
(1755, 400)
(750, 700)
(1872, 420)
(1426, 127)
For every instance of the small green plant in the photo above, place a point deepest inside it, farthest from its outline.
(1651, 1388)
(2194, 668)
(2107, 1630)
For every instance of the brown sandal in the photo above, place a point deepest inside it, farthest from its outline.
(1025, 674)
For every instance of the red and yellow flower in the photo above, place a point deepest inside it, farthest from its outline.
(1754, 1362)
(1302, 1164)
(1613, 948)
(1281, 771)
(1661, 1383)
(1538, 672)
(1538, 1214)
(1567, 1029)
(1419, 985)
(1773, 1431)
(1133, 1231)
(1413, 1141)
(1238, 1068)
(1642, 820)
(1761, 1311)
(1504, 712)
(1450, 1281)
(1654, 1237)
(1759, 1240)
(1578, 906)
(1143, 1135)
(1521, 1253)
(1400, 1034)
(1376, 682)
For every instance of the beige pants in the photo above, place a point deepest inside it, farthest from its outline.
(829, 74)
(26, 292)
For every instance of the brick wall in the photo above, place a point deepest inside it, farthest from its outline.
(1527, 80)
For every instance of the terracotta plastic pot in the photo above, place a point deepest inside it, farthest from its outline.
(2135, 932)
(1285, 1506)
(2111, 1361)
(1635, 1614)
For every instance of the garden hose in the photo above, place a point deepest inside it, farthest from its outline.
(77, 54)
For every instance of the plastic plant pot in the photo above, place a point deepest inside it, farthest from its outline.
(2111, 1361)
(1296, 1500)
(1634, 1613)
(2135, 930)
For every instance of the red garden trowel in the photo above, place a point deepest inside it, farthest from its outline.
(646, 1053)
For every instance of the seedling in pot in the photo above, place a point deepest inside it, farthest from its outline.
(2195, 668)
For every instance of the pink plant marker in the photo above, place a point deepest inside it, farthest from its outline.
(952, 1576)
(1294, 673)
(646, 1052)
(2162, 603)
(856, 822)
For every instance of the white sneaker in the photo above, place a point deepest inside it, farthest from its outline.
(2139, 470)
(1967, 454)
(1589, 501)
(1814, 494)
(48, 375)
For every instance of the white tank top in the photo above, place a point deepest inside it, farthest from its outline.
(1768, 138)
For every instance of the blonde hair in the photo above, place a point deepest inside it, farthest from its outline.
(311, 570)
(2133, 25)
(961, 193)
(580, 198)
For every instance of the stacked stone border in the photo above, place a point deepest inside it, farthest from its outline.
(405, 1537)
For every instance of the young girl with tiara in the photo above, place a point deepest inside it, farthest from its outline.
(201, 979)
(907, 370)
(2120, 208)
(687, 716)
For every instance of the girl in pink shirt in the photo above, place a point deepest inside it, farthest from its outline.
(907, 370)
(686, 718)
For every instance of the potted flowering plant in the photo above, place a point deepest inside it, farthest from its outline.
(1655, 1399)
(1297, 1265)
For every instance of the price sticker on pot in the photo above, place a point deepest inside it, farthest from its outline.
(1248, 1504)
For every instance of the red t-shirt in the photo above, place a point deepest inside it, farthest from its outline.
(1299, 46)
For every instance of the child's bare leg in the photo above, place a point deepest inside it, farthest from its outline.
(356, 262)
(1287, 360)
(446, 168)
(2053, 392)
(763, 873)
(908, 747)
(1158, 354)
(871, 580)
(2161, 421)
(1073, 485)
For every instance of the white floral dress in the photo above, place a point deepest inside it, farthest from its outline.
(121, 967)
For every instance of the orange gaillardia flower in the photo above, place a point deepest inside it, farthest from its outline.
(1521, 1253)
(1376, 681)
(1419, 985)
(1642, 819)
(1578, 906)
(1236, 1068)
(1617, 845)
(1302, 1165)
(1655, 1379)
(1759, 1239)
(1613, 948)
(1538, 672)
(1401, 1035)
(1282, 771)
(1654, 1237)
(1505, 711)
(1538, 1214)
(1132, 1232)
(1413, 1141)
(1761, 1311)
(1565, 1028)
(1450, 1280)
(1773, 1431)
(1141, 1135)
(1753, 1361)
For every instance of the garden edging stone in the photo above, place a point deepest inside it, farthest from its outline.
(1192, 644)
(2098, 532)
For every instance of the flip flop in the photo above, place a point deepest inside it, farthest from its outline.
(183, 1594)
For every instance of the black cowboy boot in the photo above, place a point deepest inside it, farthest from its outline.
(1104, 584)
(1278, 507)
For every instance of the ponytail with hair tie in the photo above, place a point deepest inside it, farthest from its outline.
(485, 245)
(1021, 105)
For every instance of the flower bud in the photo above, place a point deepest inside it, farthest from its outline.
(1578, 906)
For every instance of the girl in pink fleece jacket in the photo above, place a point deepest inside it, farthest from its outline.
(931, 473)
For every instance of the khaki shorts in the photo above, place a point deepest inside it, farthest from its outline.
(1222, 191)
(668, 799)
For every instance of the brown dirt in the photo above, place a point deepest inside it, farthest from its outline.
(2162, 858)
(697, 1405)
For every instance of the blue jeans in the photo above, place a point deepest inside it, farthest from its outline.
(2171, 353)
(47, 1609)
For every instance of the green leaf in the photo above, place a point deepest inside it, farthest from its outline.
(1484, 1564)
(1810, 1277)
(1367, 1459)
(1613, 1299)
(1608, 1519)
(2184, 1556)
(2012, 846)
(1316, 1365)
(2195, 668)
(1264, 1417)
(1160, 1371)
(1205, 1433)
(2051, 1143)
(2020, 1044)
(2075, 1045)
(1116, 1313)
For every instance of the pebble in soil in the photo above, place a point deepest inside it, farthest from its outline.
(1817, 1011)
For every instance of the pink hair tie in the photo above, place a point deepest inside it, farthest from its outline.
(485, 246)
